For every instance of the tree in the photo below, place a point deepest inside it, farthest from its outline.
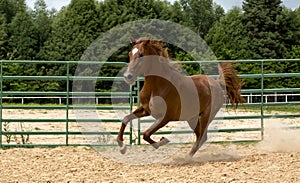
(3, 37)
(177, 13)
(293, 52)
(292, 37)
(263, 25)
(229, 41)
(73, 30)
(218, 11)
(42, 22)
(23, 41)
(228, 38)
(116, 12)
(200, 15)
(273, 32)
(9, 9)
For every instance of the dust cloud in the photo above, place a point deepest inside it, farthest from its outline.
(279, 138)
(211, 153)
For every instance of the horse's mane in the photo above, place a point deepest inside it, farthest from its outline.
(159, 45)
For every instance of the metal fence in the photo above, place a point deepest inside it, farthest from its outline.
(66, 128)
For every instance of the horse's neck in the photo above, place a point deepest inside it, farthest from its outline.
(163, 70)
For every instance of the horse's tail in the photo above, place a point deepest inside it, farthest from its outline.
(229, 78)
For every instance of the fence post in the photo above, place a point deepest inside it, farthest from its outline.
(67, 103)
(262, 100)
(138, 104)
(1, 95)
(130, 124)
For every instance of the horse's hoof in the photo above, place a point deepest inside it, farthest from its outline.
(123, 149)
(189, 156)
(155, 145)
(164, 141)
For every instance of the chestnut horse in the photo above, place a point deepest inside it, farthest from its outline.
(168, 95)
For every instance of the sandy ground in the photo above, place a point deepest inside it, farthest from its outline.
(217, 163)
(114, 127)
(275, 159)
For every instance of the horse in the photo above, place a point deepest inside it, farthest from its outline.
(168, 95)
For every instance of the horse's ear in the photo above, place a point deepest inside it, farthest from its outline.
(147, 41)
(132, 40)
(165, 53)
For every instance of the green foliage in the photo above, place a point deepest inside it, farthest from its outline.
(271, 30)
(200, 15)
(23, 40)
(42, 22)
(263, 22)
(263, 29)
(177, 14)
(73, 30)
(190, 69)
(294, 52)
(18, 69)
(116, 12)
(227, 38)
(9, 9)
(292, 39)
(3, 37)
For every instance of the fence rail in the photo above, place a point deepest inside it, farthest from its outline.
(269, 98)
(69, 123)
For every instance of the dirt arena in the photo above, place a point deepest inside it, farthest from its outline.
(275, 159)
(215, 164)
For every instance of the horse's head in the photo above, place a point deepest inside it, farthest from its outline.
(141, 50)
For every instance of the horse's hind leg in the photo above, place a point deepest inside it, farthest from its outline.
(138, 113)
(201, 137)
(200, 131)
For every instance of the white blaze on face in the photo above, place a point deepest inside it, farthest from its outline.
(134, 51)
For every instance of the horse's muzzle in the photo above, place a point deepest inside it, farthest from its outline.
(129, 78)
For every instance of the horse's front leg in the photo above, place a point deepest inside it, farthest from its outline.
(153, 128)
(138, 113)
(121, 132)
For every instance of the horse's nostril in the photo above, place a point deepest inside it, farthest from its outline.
(129, 76)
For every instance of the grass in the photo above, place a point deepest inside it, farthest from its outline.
(287, 108)
(291, 109)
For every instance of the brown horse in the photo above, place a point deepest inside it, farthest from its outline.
(168, 95)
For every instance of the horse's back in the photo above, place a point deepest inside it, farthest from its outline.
(209, 90)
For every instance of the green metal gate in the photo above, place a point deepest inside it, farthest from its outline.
(261, 105)
(69, 132)
(64, 135)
